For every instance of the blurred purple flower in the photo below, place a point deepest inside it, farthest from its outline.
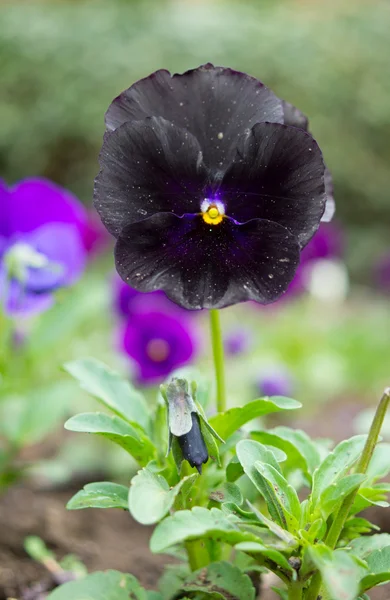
(41, 244)
(277, 381)
(128, 301)
(158, 343)
(236, 342)
(327, 243)
(382, 273)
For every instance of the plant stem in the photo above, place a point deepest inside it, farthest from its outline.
(198, 556)
(218, 353)
(338, 524)
(295, 590)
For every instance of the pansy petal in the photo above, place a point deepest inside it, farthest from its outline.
(36, 201)
(17, 301)
(62, 246)
(203, 266)
(293, 116)
(215, 104)
(147, 167)
(278, 174)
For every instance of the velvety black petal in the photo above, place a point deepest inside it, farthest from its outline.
(208, 266)
(278, 174)
(293, 116)
(193, 445)
(215, 104)
(147, 167)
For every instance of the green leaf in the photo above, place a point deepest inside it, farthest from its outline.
(150, 496)
(221, 580)
(285, 493)
(376, 495)
(172, 579)
(379, 465)
(228, 422)
(302, 453)
(289, 539)
(249, 453)
(102, 494)
(363, 546)
(270, 553)
(227, 492)
(378, 563)
(340, 573)
(127, 435)
(111, 389)
(198, 523)
(103, 585)
(333, 495)
(151, 595)
(336, 465)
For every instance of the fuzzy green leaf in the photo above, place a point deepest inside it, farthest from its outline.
(289, 539)
(249, 453)
(270, 553)
(379, 465)
(127, 435)
(227, 492)
(285, 493)
(340, 573)
(228, 422)
(220, 580)
(111, 389)
(198, 523)
(363, 546)
(102, 494)
(336, 465)
(336, 492)
(302, 453)
(150, 496)
(103, 585)
(378, 563)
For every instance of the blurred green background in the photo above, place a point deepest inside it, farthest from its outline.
(62, 62)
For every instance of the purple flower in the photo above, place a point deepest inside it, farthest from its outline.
(158, 343)
(41, 244)
(382, 273)
(211, 186)
(236, 342)
(277, 381)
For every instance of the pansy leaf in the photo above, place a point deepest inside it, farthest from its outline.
(339, 571)
(102, 494)
(365, 545)
(375, 495)
(336, 492)
(198, 523)
(172, 579)
(227, 492)
(336, 465)
(301, 451)
(234, 469)
(249, 453)
(284, 491)
(378, 563)
(379, 465)
(268, 553)
(103, 585)
(111, 389)
(228, 422)
(288, 538)
(220, 580)
(127, 435)
(150, 497)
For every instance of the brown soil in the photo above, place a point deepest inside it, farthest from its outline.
(102, 539)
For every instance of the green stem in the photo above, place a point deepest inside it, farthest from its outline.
(218, 353)
(197, 553)
(338, 524)
(295, 590)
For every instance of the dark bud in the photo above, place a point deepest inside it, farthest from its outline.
(193, 446)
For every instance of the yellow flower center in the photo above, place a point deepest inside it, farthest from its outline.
(212, 216)
(157, 350)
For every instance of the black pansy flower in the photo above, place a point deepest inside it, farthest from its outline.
(211, 185)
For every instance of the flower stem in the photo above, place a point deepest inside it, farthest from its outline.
(198, 556)
(218, 353)
(295, 590)
(338, 524)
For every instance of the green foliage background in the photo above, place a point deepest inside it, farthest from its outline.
(62, 63)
